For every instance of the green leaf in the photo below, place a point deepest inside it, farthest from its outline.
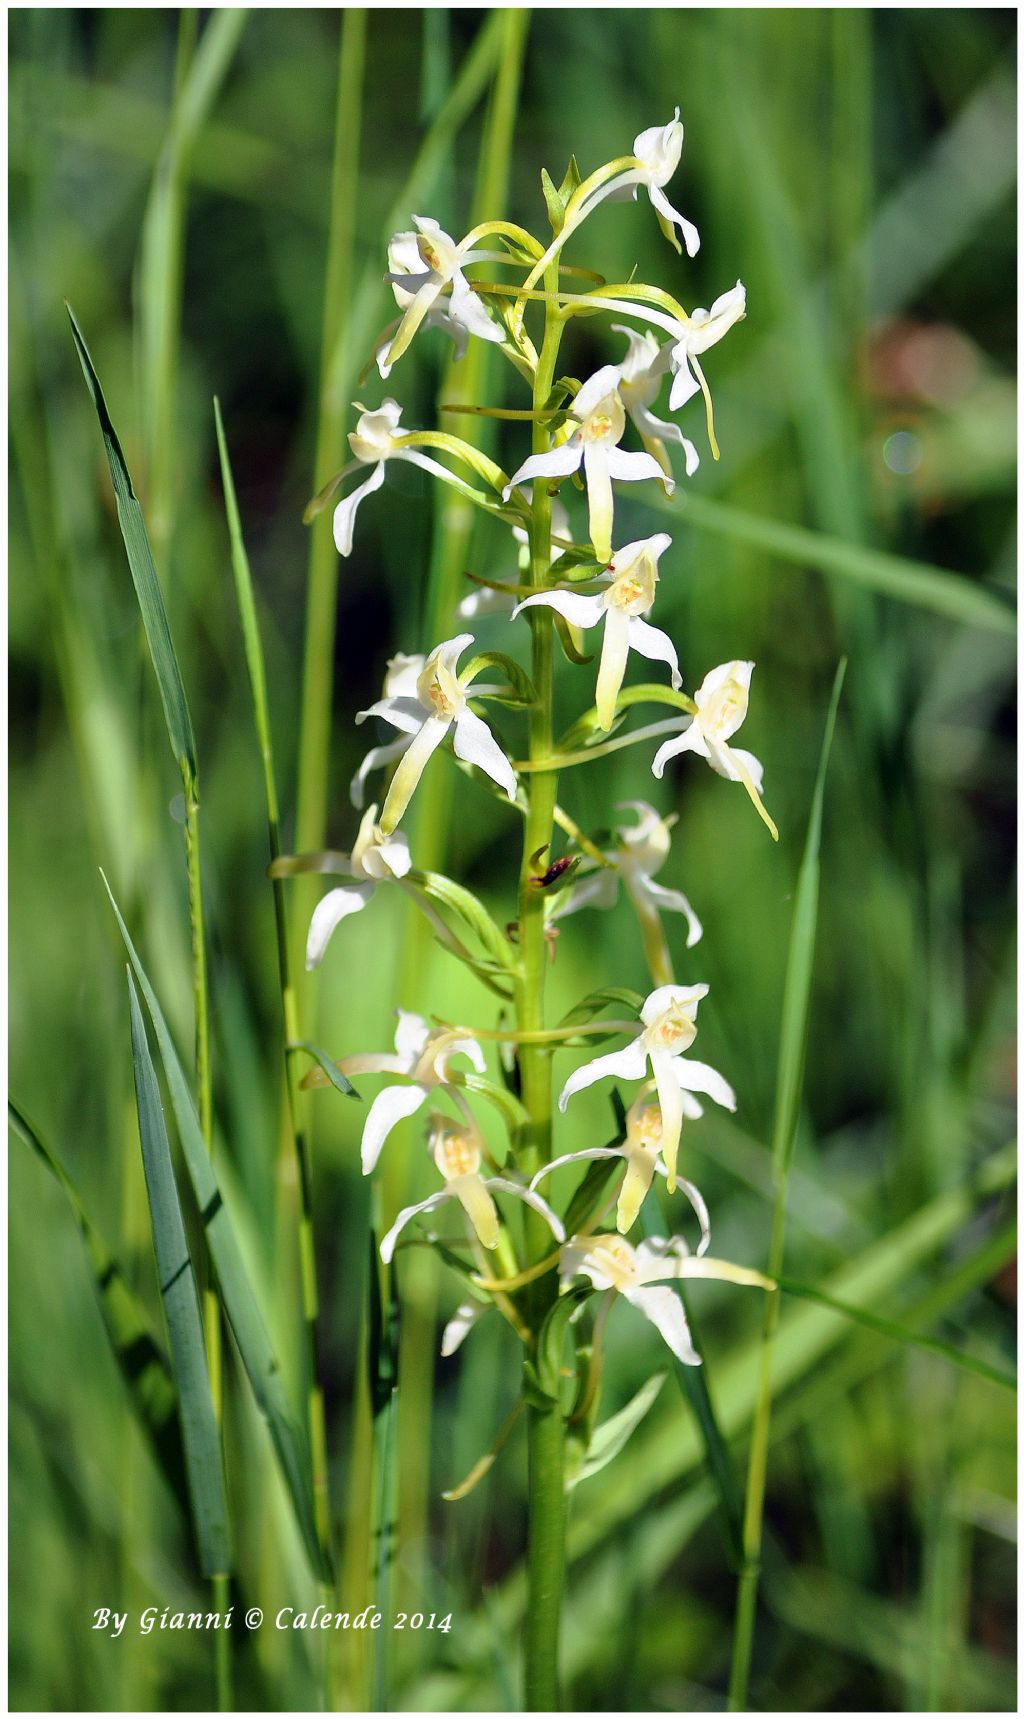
(901, 1333)
(595, 1001)
(571, 181)
(139, 1354)
(466, 906)
(552, 201)
(551, 1343)
(525, 691)
(144, 577)
(564, 633)
(199, 1432)
(612, 1436)
(951, 595)
(258, 1358)
(339, 1081)
(513, 1113)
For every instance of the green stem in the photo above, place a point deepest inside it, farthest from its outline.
(317, 679)
(546, 1432)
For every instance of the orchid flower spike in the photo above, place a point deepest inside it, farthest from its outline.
(439, 702)
(630, 582)
(599, 420)
(641, 1151)
(669, 1027)
(613, 1264)
(640, 378)
(457, 1149)
(399, 686)
(640, 850)
(421, 1056)
(721, 707)
(374, 858)
(440, 264)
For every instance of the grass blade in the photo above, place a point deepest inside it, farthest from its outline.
(140, 1356)
(145, 579)
(792, 1042)
(260, 1363)
(901, 1333)
(181, 1308)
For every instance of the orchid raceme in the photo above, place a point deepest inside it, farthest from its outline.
(668, 1028)
(599, 419)
(631, 579)
(421, 1055)
(640, 377)
(640, 850)
(457, 1150)
(721, 708)
(441, 262)
(374, 859)
(440, 703)
(641, 1274)
(641, 1151)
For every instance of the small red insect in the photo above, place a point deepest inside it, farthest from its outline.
(555, 871)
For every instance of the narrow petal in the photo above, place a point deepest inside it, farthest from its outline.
(406, 777)
(671, 901)
(411, 1035)
(696, 1199)
(691, 237)
(634, 1190)
(467, 309)
(691, 740)
(656, 646)
(576, 1158)
(471, 1193)
(558, 463)
(663, 1068)
(471, 1048)
(684, 382)
(335, 906)
(416, 310)
(375, 759)
(405, 1216)
(573, 605)
(595, 389)
(618, 636)
(627, 467)
(694, 1076)
(475, 744)
(600, 501)
(460, 1325)
(388, 1109)
(530, 1199)
(627, 1064)
(405, 712)
(664, 1309)
(345, 512)
(364, 1062)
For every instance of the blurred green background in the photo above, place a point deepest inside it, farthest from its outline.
(856, 170)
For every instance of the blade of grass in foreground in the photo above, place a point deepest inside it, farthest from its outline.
(260, 1363)
(181, 1308)
(316, 1425)
(139, 1355)
(792, 1042)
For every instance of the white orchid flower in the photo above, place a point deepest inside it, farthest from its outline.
(640, 377)
(641, 1151)
(611, 1263)
(484, 600)
(705, 328)
(457, 1150)
(399, 684)
(640, 850)
(721, 707)
(656, 155)
(422, 1054)
(374, 858)
(405, 261)
(440, 263)
(600, 420)
(631, 578)
(377, 438)
(669, 1027)
(440, 703)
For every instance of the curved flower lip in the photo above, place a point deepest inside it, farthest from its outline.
(474, 1194)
